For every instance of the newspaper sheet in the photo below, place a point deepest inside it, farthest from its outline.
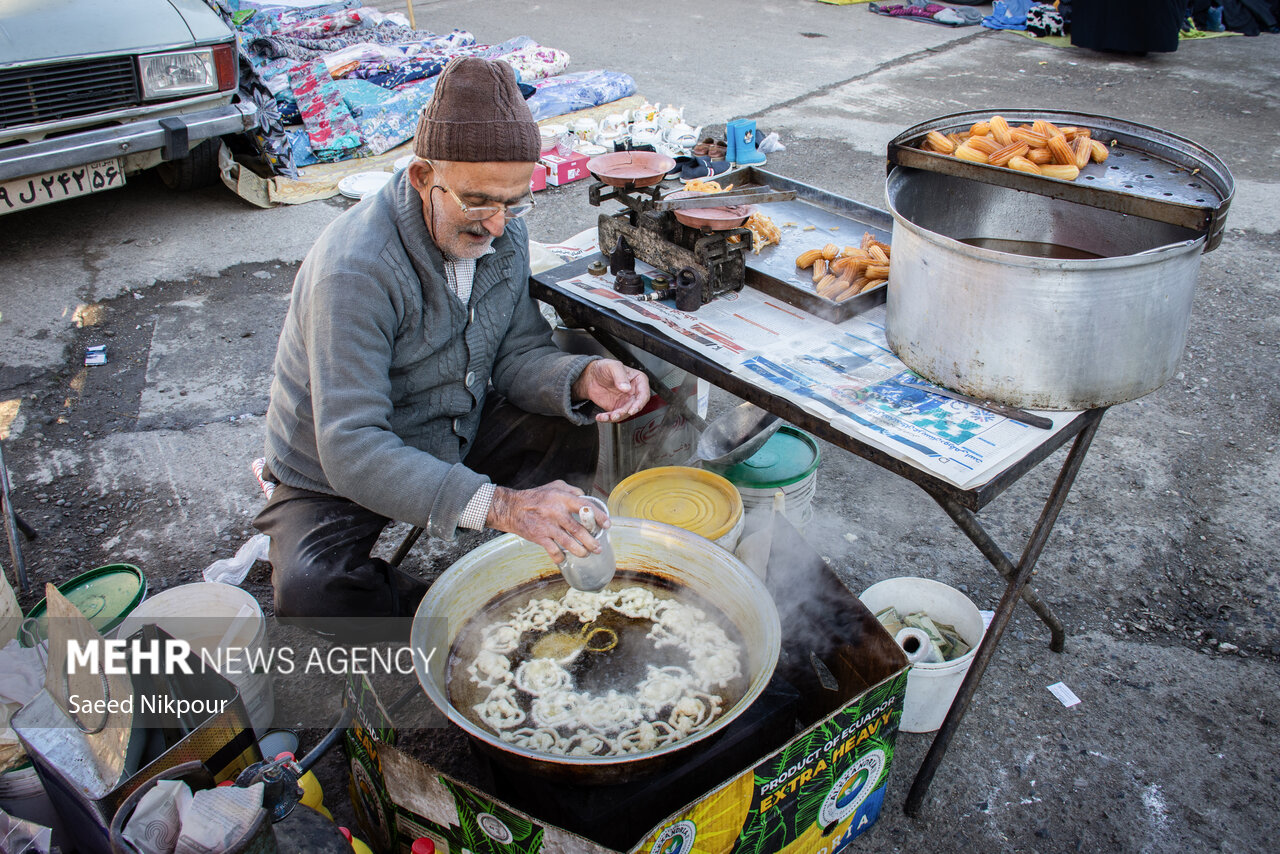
(843, 373)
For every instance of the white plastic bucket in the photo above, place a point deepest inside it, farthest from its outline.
(787, 463)
(201, 614)
(798, 506)
(930, 687)
(22, 795)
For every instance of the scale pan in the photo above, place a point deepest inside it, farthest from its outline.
(720, 218)
(630, 169)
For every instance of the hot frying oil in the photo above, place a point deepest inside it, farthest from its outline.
(619, 668)
(1031, 248)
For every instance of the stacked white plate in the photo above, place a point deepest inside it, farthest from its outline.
(361, 184)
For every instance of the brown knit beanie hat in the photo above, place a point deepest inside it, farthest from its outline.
(477, 115)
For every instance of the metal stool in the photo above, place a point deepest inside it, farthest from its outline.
(405, 545)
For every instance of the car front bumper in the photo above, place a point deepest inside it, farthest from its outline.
(173, 135)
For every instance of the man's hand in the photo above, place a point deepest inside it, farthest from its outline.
(546, 515)
(620, 391)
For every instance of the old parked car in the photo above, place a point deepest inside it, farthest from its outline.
(91, 92)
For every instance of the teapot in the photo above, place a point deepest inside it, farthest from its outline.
(614, 122)
(683, 135)
(645, 135)
(608, 135)
(645, 113)
(585, 128)
(669, 117)
(644, 126)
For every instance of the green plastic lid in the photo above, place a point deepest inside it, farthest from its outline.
(790, 456)
(105, 596)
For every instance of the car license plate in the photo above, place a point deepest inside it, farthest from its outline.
(62, 184)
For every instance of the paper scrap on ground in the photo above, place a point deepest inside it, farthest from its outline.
(218, 819)
(580, 245)
(21, 678)
(843, 373)
(157, 820)
(1064, 694)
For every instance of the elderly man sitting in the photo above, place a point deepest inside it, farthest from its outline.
(415, 378)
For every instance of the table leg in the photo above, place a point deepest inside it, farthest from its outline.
(1004, 610)
(12, 525)
(966, 521)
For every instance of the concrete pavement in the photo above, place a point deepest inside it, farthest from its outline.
(1162, 564)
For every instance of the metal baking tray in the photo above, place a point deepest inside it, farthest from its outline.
(835, 219)
(1150, 173)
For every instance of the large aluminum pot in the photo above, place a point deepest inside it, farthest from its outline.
(664, 551)
(1034, 332)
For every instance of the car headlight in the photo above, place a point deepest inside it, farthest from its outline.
(170, 75)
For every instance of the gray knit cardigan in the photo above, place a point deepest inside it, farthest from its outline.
(381, 371)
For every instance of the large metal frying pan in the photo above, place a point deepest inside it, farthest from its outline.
(669, 554)
(630, 169)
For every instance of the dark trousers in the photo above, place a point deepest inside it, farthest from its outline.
(321, 544)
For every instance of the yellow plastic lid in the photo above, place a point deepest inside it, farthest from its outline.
(699, 501)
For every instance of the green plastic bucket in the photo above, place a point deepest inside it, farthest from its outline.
(787, 462)
(105, 596)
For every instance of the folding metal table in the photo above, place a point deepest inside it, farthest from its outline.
(961, 505)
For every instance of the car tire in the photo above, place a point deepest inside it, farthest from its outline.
(198, 169)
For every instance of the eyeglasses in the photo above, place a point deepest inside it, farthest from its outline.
(477, 214)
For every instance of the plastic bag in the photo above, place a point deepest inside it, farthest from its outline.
(770, 144)
(232, 570)
(157, 820)
(24, 837)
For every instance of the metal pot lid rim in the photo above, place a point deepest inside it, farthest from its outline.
(1144, 190)
(981, 253)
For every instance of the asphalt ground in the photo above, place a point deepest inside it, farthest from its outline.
(1162, 564)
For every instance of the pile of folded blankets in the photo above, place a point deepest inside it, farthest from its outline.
(933, 13)
(336, 80)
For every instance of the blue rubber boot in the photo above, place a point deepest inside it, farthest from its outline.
(731, 141)
(743, 141)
